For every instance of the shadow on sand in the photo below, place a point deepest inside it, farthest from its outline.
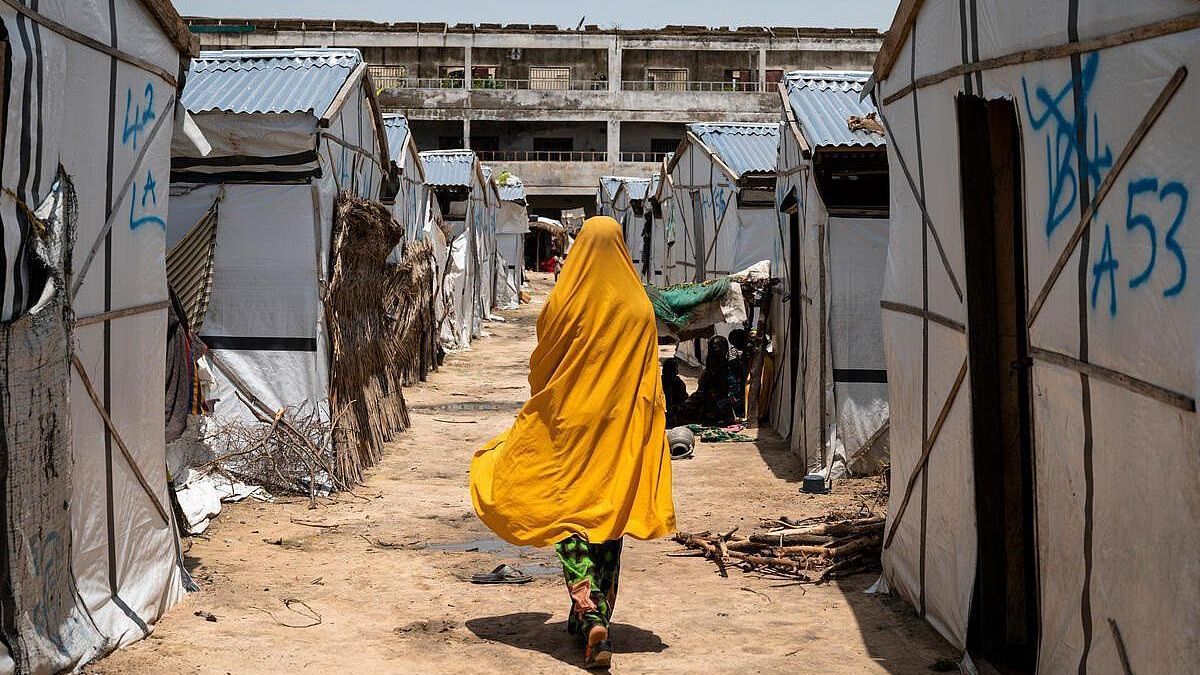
(778, 456)
(533, 631)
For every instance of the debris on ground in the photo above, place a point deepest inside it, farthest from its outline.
(812, 550)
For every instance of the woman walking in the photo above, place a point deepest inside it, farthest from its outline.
(586, 461)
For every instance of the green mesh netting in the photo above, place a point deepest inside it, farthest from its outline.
(674, 305)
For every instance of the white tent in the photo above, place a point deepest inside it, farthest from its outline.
(721, 217)
(512, 224)
(411, 201)
(621, 198)
(90, 557)
(469, 204)
(722, 179)
(289, 129)
(832, 195)
(1041, 329)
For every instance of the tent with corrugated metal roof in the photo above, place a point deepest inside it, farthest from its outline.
(468, 202)
(723, 181)
(829, 383)
(1042, 329)
(512, 224)
(410, 203)
(622, 198)
(289, 130)
(89, 552)
(722, 218)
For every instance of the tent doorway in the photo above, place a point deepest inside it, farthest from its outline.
(1003, 626)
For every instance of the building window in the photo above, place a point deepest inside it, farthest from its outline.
(663, 145)
(547, 77)
(451, 72)
(388, 77)
(774, 75)
(450, 142)
(668, 79)
(742, 80)
(483, 72)
(553, 144)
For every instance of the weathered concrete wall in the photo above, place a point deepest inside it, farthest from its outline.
(524, 104)
(702, 65)
(585, 64)
(566, 178)
(838, 59)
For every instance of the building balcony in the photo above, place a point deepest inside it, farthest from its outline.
(541, 156)
(433, 100)
(729, 86)
(395, 77)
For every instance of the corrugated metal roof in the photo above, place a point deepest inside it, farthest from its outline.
(823, 102)
(610, 185)
(745, 148)
(512, 191)
(268, 80)
(637, 187)
(396, 128)
(448, 168)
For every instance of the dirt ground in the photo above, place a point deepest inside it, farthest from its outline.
(376, 582)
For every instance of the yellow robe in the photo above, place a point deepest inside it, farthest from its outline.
(588, 453)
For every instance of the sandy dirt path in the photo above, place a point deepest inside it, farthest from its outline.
(384, 571)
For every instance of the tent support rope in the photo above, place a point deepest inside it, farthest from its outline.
(1085, 221)
(121, 313)
(1114, 377)
(926, 220)
(133, 170)
(92, 43)
(933, 317)
(112, 429)
(1159, 29)
(929, 443)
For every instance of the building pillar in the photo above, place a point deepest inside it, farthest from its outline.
(762, 69)
(467, 133)
(614, 141)
(614, 69)
(467, 67)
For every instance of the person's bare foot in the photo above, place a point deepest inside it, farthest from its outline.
(597, 655)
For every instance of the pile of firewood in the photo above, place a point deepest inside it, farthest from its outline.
(811, 550)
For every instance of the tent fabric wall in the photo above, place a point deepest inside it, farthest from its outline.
(469, 279)
(266, 319)
(708, 234)
(825, 314)
(1123, 304)
(107, 123)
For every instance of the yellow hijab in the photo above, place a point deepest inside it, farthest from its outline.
(587, 454)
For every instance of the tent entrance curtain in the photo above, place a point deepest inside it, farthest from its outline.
(1003, 625)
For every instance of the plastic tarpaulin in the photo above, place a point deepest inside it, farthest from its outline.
(1125, 310)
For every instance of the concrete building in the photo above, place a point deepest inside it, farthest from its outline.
(560, 107)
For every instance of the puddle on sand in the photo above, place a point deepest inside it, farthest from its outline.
(532, 561)
(470, 406)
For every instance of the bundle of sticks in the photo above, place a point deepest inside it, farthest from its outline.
(811, 550)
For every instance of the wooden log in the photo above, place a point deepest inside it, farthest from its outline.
(790, 539)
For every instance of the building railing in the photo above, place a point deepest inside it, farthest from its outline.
(688, 85)
(396, 77)
(638, 156)
(388, 77)
(542, 84)
(541, 156)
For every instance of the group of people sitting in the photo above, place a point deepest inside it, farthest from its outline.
(720, 396)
